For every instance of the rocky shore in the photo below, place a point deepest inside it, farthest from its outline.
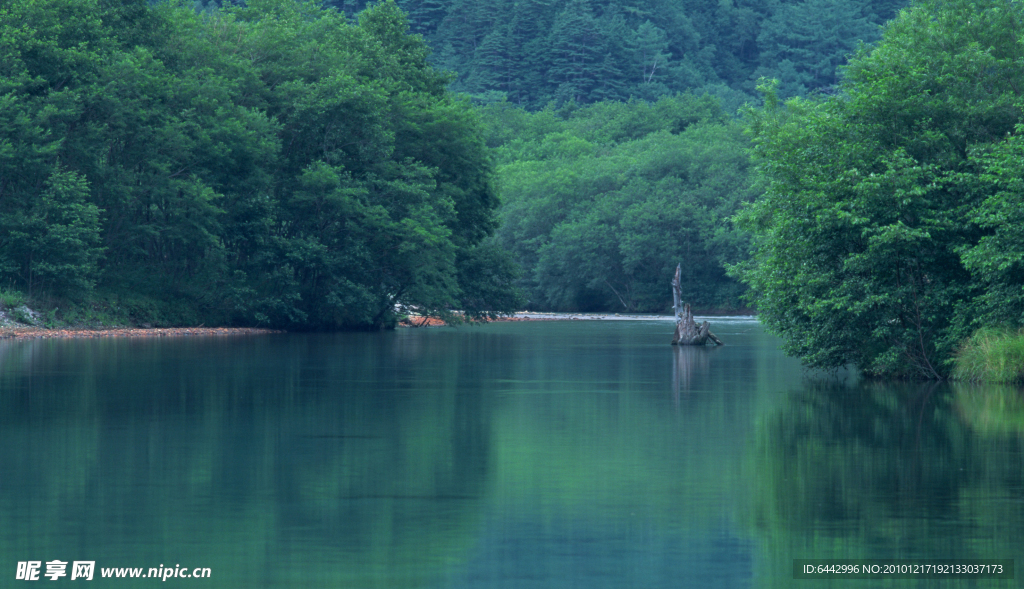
(420, 321)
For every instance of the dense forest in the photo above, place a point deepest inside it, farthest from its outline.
(535, 52)
(271, 164)
(311, 165)
(618, 151)
(599, 203)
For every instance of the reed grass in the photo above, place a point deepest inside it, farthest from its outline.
(991, 355)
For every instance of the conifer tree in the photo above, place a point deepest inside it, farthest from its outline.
(577, 50)
(804, 44)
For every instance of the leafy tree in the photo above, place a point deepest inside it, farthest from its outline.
(54, 245)
(997, 260)
(872, 197)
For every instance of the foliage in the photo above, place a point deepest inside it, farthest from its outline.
(54, 245)
(9, 299)
(991, 356)
(877, 200)
(534, 52)
(997, 260)
(267, 163)
(601, 202)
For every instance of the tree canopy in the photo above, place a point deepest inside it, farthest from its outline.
(601, 202)
(885, 233)
(262, 164)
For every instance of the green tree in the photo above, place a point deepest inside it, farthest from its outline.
(577, 50)
(871, 197)
(650, 46)
(997, 260)
(54, 245)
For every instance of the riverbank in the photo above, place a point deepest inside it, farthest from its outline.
(420, 321)
(44, 333)
(17, 331)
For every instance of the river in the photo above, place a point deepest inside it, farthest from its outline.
(539, 455)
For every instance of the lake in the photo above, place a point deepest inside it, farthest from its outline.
(559, 454)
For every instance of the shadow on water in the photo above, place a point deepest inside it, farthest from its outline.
(883, 470)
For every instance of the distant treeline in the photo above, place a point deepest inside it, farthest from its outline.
(267, 164)
(601, 202)
(533, 52)
(308, 165)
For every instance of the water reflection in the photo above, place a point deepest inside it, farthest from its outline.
(991, 409)
(514, 455)
(686, 362)
(537, 455)
(883, 471)
(273, 462)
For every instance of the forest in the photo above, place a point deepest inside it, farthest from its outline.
(600, 202)
(851, 170)
(536, 52)
(269, 164)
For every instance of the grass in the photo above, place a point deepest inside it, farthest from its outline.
(991, 355)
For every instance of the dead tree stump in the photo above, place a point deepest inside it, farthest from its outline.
(688, 333)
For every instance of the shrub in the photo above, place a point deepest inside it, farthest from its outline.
(10, 299)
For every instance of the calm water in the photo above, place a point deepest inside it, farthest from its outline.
(515, 455)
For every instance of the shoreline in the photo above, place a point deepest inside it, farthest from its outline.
(421, 321)
(24, 332)
(69, 333)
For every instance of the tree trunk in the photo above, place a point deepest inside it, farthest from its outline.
(688, 333)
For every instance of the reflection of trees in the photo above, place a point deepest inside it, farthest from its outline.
(288, 461)
(395, 490)
(883, 471)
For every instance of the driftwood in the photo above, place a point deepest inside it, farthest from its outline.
(688, 333)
